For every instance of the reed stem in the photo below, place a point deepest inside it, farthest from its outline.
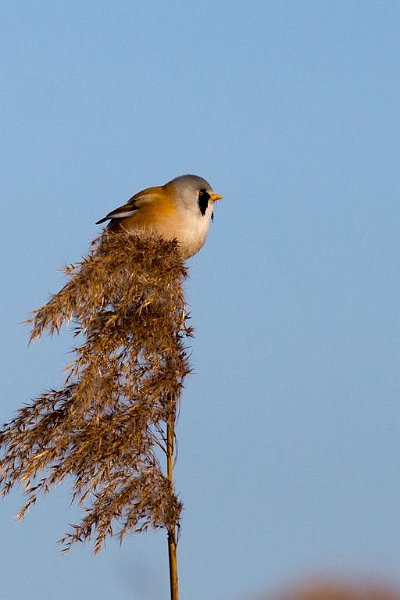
(172, 538)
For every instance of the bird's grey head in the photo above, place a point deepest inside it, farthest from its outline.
(191, 182)
(190, 188)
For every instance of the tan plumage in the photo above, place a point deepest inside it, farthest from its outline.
(181, 209)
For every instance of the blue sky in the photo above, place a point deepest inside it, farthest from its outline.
(289, 429)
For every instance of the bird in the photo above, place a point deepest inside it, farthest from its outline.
(181, 209)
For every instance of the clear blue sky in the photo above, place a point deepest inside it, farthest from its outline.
(289, 449)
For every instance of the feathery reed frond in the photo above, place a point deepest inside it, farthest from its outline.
(106, 425)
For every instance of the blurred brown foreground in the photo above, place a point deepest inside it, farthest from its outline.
(331, 590)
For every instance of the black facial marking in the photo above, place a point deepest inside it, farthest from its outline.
(204, 197)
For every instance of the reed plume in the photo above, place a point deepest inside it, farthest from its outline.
(106, 427)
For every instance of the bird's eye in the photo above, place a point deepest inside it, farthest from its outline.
(204, 197)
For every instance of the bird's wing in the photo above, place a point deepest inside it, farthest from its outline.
(132, 206)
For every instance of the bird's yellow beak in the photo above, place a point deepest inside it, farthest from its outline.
(215, 197)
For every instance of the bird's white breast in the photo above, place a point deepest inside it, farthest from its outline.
(193, 229)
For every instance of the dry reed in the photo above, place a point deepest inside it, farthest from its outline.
(106, 427)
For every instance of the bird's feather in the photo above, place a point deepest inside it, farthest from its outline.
(146, 209)
(119, 213)
(130, 208)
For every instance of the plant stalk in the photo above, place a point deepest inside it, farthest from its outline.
(172, 538)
